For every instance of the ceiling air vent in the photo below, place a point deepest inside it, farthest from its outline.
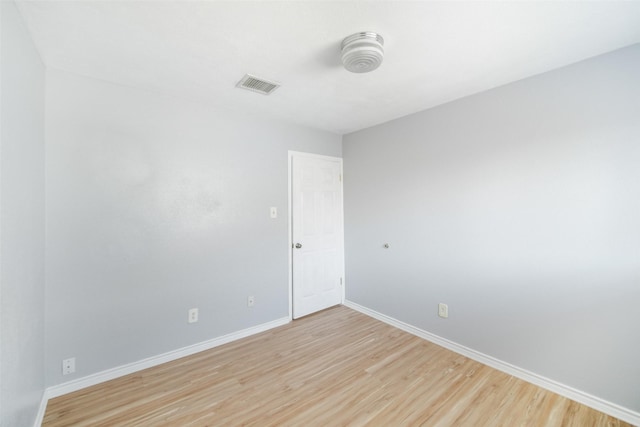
(255, 84)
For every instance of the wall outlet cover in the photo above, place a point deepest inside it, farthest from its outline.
(69, 366)
(193, 315)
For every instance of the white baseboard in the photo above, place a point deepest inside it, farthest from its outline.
(41, 410)
(110, 374)
(594, 402)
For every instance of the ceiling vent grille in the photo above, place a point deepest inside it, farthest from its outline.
(255, 84)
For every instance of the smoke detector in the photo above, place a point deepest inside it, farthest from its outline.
(362, 52)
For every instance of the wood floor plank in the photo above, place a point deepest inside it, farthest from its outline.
(334, 368)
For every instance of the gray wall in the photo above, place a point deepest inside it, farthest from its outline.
(156, 205)
(520, 208)
(21, 223)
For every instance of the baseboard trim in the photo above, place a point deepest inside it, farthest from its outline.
(110, 374)
(594, 402)
(41, 410)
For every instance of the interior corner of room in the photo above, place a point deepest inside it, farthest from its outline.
(139, 226)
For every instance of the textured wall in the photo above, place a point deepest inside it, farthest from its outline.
(21, 223)
(156, 205)
(519, 208)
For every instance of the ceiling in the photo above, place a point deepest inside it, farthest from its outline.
(435, 51)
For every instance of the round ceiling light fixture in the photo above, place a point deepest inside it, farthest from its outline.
(362, 52)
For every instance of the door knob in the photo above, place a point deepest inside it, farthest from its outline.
(298, 245)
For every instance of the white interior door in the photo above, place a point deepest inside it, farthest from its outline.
(317, 233)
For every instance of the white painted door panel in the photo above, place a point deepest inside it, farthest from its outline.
(318, 231)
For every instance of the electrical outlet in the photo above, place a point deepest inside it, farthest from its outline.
(251, 300)
(69, 366)
(193, 315)
(443, 310)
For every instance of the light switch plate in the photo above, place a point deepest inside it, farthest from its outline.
(274, 212)
(443, 310)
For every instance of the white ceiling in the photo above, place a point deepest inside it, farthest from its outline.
(435, 52)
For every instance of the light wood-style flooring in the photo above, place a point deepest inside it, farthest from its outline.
(334, 368)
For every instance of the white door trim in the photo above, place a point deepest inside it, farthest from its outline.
(291, 155)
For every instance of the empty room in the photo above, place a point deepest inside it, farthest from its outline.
(319, 213)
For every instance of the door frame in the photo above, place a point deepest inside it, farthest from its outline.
(291, 155)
